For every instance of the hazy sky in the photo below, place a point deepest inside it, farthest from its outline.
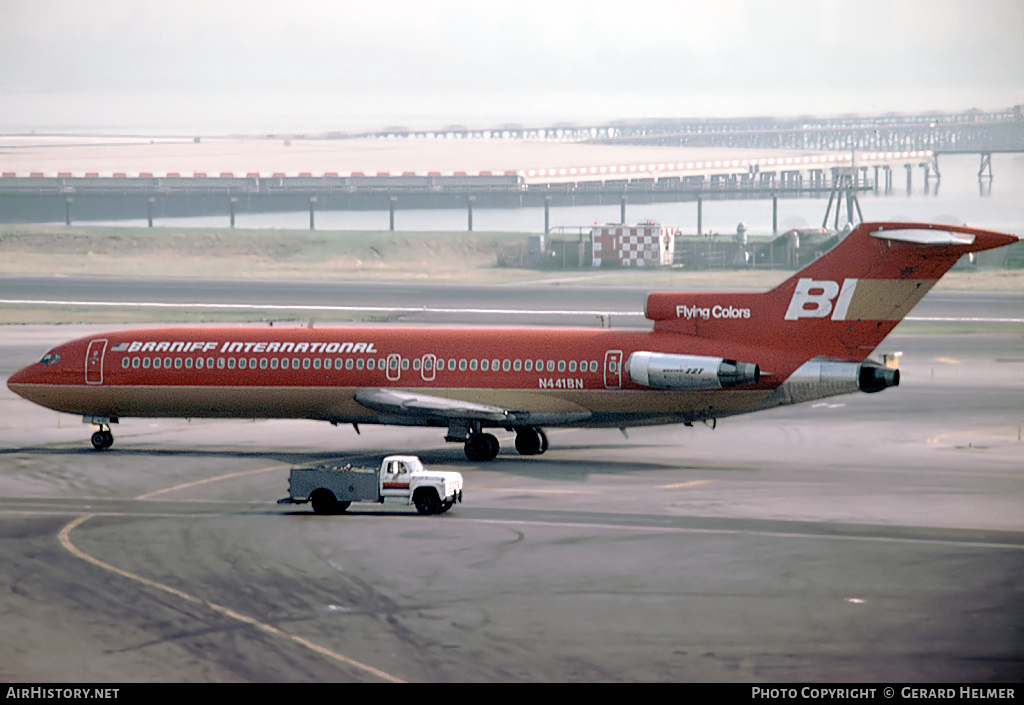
(317, 65)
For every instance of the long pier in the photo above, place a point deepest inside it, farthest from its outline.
(816, 157)
(43, 199)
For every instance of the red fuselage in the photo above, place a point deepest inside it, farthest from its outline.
(314, 373)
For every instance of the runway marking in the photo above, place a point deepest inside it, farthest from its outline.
(208, 480)
(948, 361)
(308, 307)
(65, 540)
(678, 485)
(744, 532)
(938, 319)
(534, 491)
(1002, 433)
(410, 309)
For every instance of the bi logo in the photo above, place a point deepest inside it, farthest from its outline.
(814, 298)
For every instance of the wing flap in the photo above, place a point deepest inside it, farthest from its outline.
(428, 406)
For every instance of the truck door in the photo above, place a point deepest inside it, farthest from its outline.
(394, 479)
(613, 369)
(94, 361)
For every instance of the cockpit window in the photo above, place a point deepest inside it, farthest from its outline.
(50, 358)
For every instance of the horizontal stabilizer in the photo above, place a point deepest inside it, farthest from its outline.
(925, 237)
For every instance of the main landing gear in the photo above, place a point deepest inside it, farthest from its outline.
(104, 438)
(483, 447)
(531, 441)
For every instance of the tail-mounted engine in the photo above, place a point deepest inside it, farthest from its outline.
(666, 371)
(874, 377)
(818, 379)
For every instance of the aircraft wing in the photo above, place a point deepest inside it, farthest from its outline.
(427, 406)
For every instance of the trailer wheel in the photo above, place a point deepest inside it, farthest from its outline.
(427, 501)
(324, 502)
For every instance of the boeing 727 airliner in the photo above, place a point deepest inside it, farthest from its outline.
(709, 355)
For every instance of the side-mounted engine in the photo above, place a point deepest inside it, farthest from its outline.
(667, 371)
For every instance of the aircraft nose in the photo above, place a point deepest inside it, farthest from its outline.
(18, 377)
(26, 375)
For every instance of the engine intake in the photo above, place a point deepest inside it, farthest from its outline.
(667, 371)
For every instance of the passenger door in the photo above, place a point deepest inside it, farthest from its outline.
(394, 371)
(613, 369)
(94, 361)
(427, 365)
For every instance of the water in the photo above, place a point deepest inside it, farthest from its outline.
(958, 201)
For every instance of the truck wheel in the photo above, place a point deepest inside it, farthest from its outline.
(324, 502)
(427, 502)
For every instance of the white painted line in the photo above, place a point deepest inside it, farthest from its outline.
(745, 532)
(964, 320)
(301, 307)
(409, 309)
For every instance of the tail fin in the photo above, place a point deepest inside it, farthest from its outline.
(839, 306)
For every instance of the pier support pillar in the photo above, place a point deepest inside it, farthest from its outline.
(622, 210)
(547, 215)
(312, 208)
(985, 170)
(700, 216)
(149, 211)
(470, 209)
(233, 201)
(391, 212)
(775, 214)
(67, 210)
(910, 173)
(985, 175)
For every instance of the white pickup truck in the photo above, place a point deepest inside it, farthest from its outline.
(400, 479)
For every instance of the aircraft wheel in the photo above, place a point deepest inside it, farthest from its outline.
(482, 447)
(528, 441)
(102, 440)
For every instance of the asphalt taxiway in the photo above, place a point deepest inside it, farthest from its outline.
(544, 303)
(865, 538)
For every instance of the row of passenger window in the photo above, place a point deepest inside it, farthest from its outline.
(426, 364)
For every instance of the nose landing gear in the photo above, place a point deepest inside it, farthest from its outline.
(103, 438)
